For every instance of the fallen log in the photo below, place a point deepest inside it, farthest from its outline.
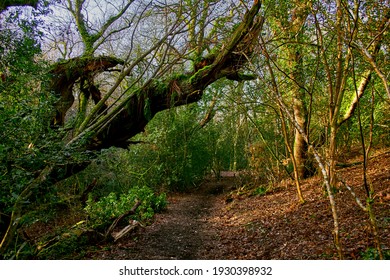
(127, 229)
(120, 218)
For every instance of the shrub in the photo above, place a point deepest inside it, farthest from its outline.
(102, 212)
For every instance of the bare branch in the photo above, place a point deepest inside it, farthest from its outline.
(373, 63)
(349, 188)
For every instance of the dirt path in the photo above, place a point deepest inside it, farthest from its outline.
(181, 232)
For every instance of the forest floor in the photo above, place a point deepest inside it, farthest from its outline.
(224, 220)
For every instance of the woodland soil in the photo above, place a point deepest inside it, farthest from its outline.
(223, 219)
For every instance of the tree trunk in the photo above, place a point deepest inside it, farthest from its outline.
(300, 148)
(332, 155)
(300, 145)
(292, 156)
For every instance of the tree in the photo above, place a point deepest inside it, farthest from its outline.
(143, 95)
(346, 22)
(290, 21)
(26, 139)
(333, 31)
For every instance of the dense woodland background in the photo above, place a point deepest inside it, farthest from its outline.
(110, 108)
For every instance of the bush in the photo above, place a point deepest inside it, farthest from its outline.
(102, 212)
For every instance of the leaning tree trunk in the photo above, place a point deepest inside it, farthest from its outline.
(115, 129)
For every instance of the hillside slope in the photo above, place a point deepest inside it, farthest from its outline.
(222, 220)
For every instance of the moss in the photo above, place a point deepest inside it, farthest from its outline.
(198, 74)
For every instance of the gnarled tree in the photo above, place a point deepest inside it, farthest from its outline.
(145, 82)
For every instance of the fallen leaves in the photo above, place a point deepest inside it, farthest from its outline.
(203, 225)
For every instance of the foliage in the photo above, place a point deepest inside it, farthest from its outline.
(372, 254)
(174, 152)
(21, 252)
(25, 108)
(28, 142)
(371, 109)
(102, 212)
(183, 151)
(187, 153)
(68, 245)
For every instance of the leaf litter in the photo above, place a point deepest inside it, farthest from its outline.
(211, 223)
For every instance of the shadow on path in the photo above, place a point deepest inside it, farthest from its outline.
(178, 233)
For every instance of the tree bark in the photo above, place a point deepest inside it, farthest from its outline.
(300, 147)
(64, 76)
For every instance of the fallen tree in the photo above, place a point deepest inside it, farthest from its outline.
(105, 127)
(81, 233)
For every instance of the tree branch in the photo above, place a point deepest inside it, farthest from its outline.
(362, 88)
(64, 75)
(158, 95)
(371, 60)
(121, 217)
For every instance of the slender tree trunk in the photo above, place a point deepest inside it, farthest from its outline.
(300, 148)
(332, 155)
(284, 127)
(18, 208)
(292, 156)
(367, 186)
